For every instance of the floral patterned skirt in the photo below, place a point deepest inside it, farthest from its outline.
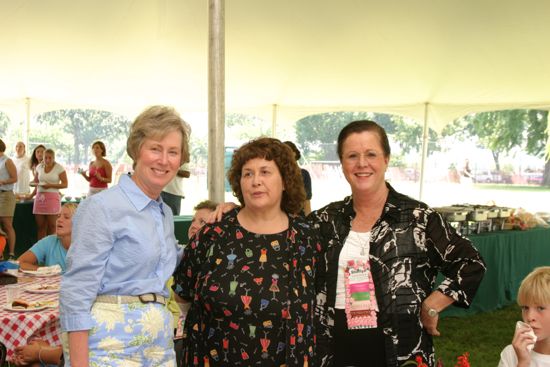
(128, 335)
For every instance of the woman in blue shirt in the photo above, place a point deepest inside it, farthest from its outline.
(113, 294)
(52, 250)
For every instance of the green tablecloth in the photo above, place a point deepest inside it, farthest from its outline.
(181, 226)
(510, 256)
(25, 227)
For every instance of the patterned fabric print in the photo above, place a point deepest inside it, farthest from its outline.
(410, 244)
(252, 295)
(133, 334)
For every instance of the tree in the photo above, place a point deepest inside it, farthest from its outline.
(409, 136)
(84, 127)
(538, 142)
(317, 134)
(500, 131)
(3, 125)
(241, 127)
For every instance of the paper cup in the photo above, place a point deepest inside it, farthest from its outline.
(12, 292)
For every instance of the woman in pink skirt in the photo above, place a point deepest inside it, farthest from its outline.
(47, 203)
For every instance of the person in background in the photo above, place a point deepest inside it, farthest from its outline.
(531, 342)
(377, 305)
(47, 203)
(113, 294)
(100, 170)
(23, 166)
(38, 353)
(36, 158)
(305, 177)
(466, 175)
(246, 284)
(8, 176)
(172, 194)
(202, 211)
(51, 250)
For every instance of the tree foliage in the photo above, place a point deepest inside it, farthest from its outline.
(241, 128)
(317, 134)
(501, 131)
(73, 132)
(3, 125)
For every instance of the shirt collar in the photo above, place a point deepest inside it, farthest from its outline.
(135, 195)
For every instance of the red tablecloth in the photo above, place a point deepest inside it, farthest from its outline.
(17, 328)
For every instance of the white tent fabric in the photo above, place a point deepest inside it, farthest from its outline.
(303, 56)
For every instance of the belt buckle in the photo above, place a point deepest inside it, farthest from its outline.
(143, 300)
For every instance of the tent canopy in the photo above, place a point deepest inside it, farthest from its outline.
(307, 56)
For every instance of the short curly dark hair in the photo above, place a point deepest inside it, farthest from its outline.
(272, 150)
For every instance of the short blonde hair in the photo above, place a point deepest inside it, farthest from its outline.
(71, 206)
(50, 152)
(535, 288)
(155, 123)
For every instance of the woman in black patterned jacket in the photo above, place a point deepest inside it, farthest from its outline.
(376, 304)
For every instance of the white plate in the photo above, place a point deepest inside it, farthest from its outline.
(33, 184)
(41, 273)
(45, 288)
(28, 309)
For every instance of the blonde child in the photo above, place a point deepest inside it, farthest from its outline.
(531, 343)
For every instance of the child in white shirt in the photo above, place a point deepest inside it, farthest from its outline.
(527, 350)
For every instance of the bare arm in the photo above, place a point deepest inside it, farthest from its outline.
(78, 348)
(62, 185)
(108, 172)
(12, 171)
(86, 177)
(437, 301)
(38, 351)
(34, 180)
(28, 261)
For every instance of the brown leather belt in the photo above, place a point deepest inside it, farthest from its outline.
(143, 298)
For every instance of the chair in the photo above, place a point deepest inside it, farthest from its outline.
(3, 354)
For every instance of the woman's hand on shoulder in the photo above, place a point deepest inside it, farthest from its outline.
(221, 209)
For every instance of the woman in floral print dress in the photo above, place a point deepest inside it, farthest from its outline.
(248, 279)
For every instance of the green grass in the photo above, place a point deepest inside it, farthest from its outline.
(482, 335)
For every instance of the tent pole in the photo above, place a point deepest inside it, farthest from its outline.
(274, 121)
(27, 129)
(425, 135)
(216, 99)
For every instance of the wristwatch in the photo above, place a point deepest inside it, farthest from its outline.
(432, 312)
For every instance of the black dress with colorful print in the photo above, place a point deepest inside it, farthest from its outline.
(252, 295)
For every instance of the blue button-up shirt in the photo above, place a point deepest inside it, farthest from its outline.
(123, 243)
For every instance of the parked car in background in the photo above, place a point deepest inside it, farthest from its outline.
(533, 177)
(492, 176)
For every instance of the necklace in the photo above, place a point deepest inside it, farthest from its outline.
(362, 241)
